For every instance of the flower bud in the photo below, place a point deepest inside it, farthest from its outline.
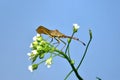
(72, 62)
(32, 67)
(90, 33)
(35, 66)
(48, 62)
(75, 27)
(68, 40)
(41, 55)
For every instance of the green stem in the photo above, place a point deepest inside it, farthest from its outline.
(69, 52)
(84, 53)
(68, 75)
(90, 33)
(55, 54)
(41, 62)
(69, 44)
(73, 67)
(76, 72)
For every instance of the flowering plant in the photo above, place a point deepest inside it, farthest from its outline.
(40, 47)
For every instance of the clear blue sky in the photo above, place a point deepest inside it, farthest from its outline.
(20, 18)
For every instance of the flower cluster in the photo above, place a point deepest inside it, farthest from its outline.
(39, 47)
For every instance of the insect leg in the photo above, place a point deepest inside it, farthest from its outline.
(58, 41)
(63, 43)
(51, 40)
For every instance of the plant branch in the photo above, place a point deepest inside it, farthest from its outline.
(90, 33)
(72, 65)
(84, 53)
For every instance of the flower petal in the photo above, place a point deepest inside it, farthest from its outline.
(30, 68)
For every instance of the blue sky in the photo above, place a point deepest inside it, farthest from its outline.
(19, 19)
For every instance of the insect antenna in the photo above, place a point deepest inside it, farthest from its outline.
(75, 39)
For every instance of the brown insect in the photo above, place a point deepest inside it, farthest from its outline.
(55, 34)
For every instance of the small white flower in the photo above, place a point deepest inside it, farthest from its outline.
(48, 62)
(30, 68)
(29, 54)
(34, 38)
(32, 54)
(34, 51)
(38, 35)
(76, 26)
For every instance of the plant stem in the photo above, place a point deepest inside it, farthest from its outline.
(69, 44)
(83, 55)
(73, 67)
(76, 72)
(68, 75)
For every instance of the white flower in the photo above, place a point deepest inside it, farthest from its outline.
(32, 55)
(30, 68)
(34, 38)
(29, 54)
(75, 27)
(34, 51)
(38, 35)
(48, 62)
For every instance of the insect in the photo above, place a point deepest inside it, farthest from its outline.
(55, 34)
